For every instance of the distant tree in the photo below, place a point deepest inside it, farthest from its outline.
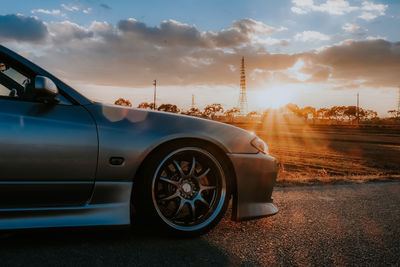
(253, 114)
(331, 113)
(123, 102)
(230, 113)
(308, 112)
(193, 112)
(211, 110)
(293, 108)
(322, 113)
(146, 105)
(369, 114)
(337, 112)
(394, 114)
(361, 113)
(351, 113)
(169, 108)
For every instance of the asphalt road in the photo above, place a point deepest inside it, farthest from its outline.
(317, 225)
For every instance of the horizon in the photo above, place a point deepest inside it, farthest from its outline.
(311, 53)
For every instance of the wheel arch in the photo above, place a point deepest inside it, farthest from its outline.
(185, 141)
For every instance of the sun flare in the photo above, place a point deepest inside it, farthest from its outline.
(274, 97)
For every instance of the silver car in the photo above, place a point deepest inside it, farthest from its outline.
(67, 161)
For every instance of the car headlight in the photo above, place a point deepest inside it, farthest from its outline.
(259, 145)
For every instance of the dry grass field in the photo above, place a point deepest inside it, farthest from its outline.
(312, 154)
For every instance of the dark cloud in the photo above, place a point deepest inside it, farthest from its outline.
(21, 28)
(132, 54)
(105, 6)
(131, 63)
(168, 33)
(371, 62)
(172, 32)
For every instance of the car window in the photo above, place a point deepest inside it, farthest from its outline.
(16, 76)
(12, 81)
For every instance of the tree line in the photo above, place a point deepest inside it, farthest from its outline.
(217, 112)
(212, 111)
(338, 113)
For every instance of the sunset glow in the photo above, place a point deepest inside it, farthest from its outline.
(295, 51)
(207, 132)
(275, 96)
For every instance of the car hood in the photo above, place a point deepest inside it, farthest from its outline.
(154, 127)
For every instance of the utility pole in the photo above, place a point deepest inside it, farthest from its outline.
(358, 108)
(242, 95)
(398, 104)
(155, 93)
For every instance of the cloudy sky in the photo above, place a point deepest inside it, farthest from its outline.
(318, 53)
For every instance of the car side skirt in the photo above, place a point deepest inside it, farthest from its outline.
(255, 178)
(109, 205)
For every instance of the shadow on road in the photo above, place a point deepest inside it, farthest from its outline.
(104, 247)
(353, 224)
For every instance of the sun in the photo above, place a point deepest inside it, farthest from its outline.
(274, 96)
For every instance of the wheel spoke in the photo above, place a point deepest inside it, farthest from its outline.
(167, 180)
(201, 176)
(193, 167)
(174, 195)
(193, 209)
(178, 167)
(201, 199)
(181, 204)
(207, 187)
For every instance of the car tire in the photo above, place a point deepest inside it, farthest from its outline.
(182, 190)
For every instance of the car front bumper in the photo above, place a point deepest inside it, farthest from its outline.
(255, 178)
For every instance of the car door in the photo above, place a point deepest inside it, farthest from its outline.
(48, 152)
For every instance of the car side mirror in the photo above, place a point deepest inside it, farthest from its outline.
(46, 89)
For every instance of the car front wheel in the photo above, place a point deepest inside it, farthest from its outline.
(187, 191)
